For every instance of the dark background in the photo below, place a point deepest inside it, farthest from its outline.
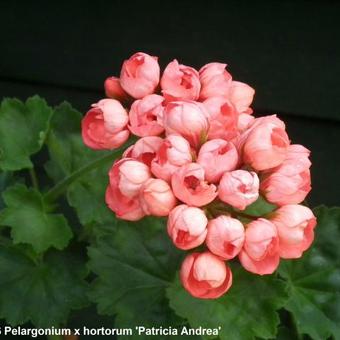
(289, 51)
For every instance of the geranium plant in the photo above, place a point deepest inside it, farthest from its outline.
(186, 211)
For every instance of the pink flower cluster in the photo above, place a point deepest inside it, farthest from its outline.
(202, 159)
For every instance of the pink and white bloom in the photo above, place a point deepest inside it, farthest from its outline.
(205, 276)
(144, 150)
(260, 253)
(295, 225)
(105, 125)
(244, 121)
(156, 197)
(265, 144)
(225, 236)
(188, 119)
(215, 80)
(190, 186)
(173, 152)
(144, 116)
(187, 226)
(131, 174)
(223, 118)
(239, 188)
(140, 75)
(290, 182)
(125, 208)
(114, 90)
(122, 191)
(217, 156)
(180, 82)
(241, 95)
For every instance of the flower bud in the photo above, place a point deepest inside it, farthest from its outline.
(188, 119)
(114, 90)
(205, 276)
(260, 251)
(125, 207)
(241, 95)
(187, 226)
(173, 153)
(244, 121)
(223, 118)
(144, 150)
(156, 197)
(239, 188)
(140, 75)
(295, 225)
(144, 115)
(217, 156)
(225, 236)
(265, 144)
(215, 80)
(130, 174)
(180, 82)
(189, 185)
(104, 126)
(289, 183)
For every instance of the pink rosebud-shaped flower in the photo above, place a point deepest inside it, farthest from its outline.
(223, 118)
(125, 207)
(260, 251)
(156, 197)
(244, 121)
(144, 115)
(290, 182)
(131, 174)
(144, 150)
(215, 80)
(239, 188)
(188, 119)
(265, 144)
(173, 153)
(187, 226)
(295, 225)
(140, 75)
(205, 276)
(114, 90)
(104, 126)
(180, 82)
(241, 95)
(217, 156)
(189, 185)
(225, 236)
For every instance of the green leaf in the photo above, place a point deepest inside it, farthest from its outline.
(42, 293)
(23, 129)
(246, 311)
(134, 262)
(6, 179)
(31, 222)
(314, 280)
(65, 128)
(68, 153)
(87, 196)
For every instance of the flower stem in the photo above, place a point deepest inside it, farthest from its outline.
(34, 178)
(62, 186)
